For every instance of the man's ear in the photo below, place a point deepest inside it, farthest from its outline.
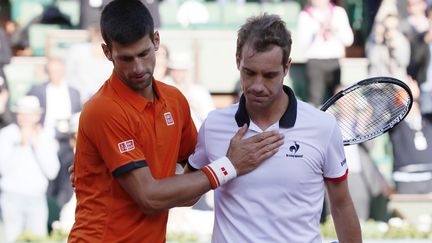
(106, 51)
(238, 61)
(287, 66)
(156, 40)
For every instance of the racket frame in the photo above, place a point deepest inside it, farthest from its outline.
(365, 82)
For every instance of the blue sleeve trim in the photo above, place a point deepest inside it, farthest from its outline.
(129, 167)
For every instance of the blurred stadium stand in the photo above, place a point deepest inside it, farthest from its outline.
(213, 68)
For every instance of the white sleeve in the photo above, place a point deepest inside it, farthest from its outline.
(344, 31)
(335, 166)
(307, 29)
(199, 157)
(46, 153)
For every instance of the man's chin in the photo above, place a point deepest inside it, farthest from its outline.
(255, 104)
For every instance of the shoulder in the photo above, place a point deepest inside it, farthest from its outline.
(73, 90)
(9, 129)
(322, 123)
(340, 14)
(38, 87)
(171, 93)
(168, 89)
(228, 111)
(101, 107)
(220, 119)
(9, 135)
(308, 111)
(338, 9)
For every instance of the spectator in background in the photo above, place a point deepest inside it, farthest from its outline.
(192, 12)
(198, 97)
(414, 26)
(60, 101)
(28, 161)
(426, 87)
(90, 12)
(57, 98)
(50, 16)
(68, 203)
(387, 49)
(86, 65)
(323, 32)
(412, 149)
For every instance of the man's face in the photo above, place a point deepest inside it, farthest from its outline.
(55, 68)
(261, 75)
(27, 120)
(416, 7)
(320, 3)
(134, 63)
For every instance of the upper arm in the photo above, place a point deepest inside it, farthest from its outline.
(113, 134)
(338, 192)
(335, 166)
(137, 183)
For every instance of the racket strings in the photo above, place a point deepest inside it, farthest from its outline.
(369, 109)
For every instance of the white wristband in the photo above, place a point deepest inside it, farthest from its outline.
(220, 171)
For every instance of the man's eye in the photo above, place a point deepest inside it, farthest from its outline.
(126, 59)
(270, 76)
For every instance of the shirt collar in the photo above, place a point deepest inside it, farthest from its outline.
(287, 120)
(132, 97)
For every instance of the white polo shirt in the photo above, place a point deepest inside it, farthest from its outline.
(281, 200)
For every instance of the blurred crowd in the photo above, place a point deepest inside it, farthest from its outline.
(38, 130)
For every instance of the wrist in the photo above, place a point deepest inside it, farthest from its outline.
(220, 172)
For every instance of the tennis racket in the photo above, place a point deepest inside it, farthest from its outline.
(369, 108)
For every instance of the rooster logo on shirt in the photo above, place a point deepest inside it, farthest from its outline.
(293, 151)
(294, 148)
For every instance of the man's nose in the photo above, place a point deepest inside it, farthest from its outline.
(139, 66)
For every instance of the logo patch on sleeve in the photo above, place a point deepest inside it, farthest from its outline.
(126, 146)
(343, 162)
(168, 118)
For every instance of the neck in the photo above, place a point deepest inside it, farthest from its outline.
(264, 117)
(147, 93)
(56, 83)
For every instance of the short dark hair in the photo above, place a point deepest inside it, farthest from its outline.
(262, 32)
(125, 21)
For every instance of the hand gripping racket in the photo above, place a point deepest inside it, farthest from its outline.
(369, 108)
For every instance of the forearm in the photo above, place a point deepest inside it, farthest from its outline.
(154, 195)
(346, 223)
(193, 201)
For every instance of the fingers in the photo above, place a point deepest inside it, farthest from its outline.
(70, 169)
(262, 136)
(269, 149)
(274, 140)
(241, 132)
